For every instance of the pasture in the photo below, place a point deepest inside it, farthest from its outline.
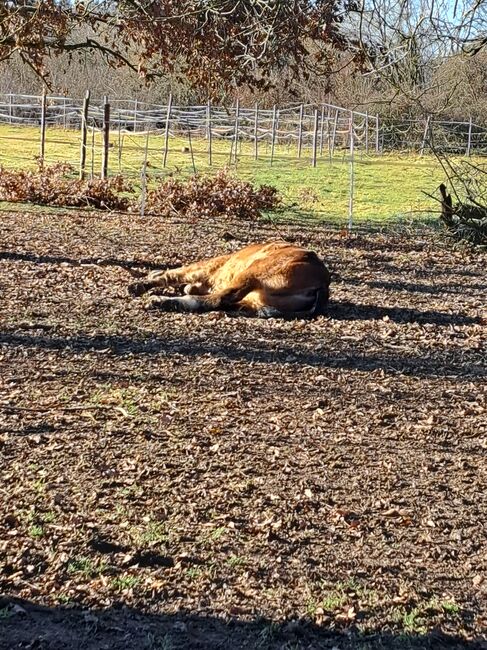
(209, 481)
(386, 187)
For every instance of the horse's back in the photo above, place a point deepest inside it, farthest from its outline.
(273, 262)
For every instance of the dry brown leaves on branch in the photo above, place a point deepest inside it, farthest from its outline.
(215, 44)
(50, 186)
(200, 196)
(221, 195)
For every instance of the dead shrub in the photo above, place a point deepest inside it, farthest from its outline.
(467, 220)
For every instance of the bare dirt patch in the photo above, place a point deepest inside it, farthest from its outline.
(212, 481)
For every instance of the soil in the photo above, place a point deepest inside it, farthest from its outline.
(213, 481)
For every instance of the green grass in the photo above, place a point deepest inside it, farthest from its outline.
(387, 186)
(125, 399)
(217, 533)
(194, 573)
(36, 531)
(411, 622)
(151, 533)
(236, 561)
(120, 583)
(85, 566)
(450, 607)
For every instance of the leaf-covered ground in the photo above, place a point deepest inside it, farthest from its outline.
(208, 481)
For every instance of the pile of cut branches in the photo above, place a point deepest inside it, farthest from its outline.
(199, 197)
(215, 196)
(465, 221)
(55, 185)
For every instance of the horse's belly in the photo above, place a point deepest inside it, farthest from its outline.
(285, 303)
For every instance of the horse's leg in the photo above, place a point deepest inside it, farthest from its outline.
(197, 275)
(220, 300)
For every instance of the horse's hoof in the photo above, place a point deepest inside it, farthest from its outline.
(152, 303)
(137, 289)
(160, 302)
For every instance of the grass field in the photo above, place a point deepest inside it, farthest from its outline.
(385, 186)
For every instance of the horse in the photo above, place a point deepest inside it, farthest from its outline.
(274, 279)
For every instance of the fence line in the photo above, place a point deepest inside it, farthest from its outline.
(296, 124)
(293, 135)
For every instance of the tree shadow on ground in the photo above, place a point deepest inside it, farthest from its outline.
(62, 259)
(412, 287)
(459, 363)
(26, 625)
(413, 271)
(354, 311)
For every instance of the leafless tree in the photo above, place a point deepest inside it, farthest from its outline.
(402, 39)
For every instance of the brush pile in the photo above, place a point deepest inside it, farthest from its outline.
(215, 196)
(465, 221)
(54, 185)
(197, 197)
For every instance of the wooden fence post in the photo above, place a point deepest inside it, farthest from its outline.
(135, 115)
(300, 130)
(208, 131)
(315, 138)
(425, 134)
(322, 128)
(273, 137)
(43, 127)
(106, 137)
(166, 132)
(469, 140)
(256, 132)
(377, 148)
(10, 108)
(84, 132)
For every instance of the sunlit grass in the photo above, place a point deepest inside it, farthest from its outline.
(385, 187)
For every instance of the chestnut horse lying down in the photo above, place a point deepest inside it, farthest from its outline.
(266, 280)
